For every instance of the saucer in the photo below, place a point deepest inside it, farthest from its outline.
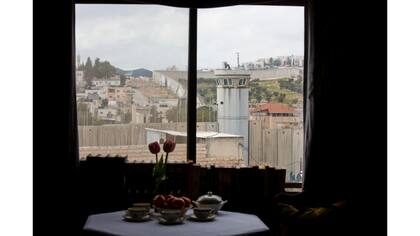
(131, 219)
(180, 220)
(195, 218)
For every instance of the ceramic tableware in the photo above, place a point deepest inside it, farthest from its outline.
(137, 212)
(143, 205)
(210, 200)
(203, 212)
(171, 216)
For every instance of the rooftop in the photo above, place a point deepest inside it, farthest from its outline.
(273, 108)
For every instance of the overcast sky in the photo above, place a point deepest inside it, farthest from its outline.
(156, 37)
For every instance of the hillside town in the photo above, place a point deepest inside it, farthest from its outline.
(236, 107)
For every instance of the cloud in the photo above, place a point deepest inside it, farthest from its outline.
(156, 37)
(133, 36)
(253, 31)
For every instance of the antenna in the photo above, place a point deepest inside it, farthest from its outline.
(237, 58)
(78, 59)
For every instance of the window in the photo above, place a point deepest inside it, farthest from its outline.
(255, 51)
(249, 106)
(142, 52)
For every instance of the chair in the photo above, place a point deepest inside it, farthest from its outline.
(104, 183)
(298, 214)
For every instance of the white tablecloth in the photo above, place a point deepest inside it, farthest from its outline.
(226, 223)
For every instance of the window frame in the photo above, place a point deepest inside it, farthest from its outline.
(192, 51)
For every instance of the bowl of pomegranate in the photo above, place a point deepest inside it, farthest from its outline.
(171, 202)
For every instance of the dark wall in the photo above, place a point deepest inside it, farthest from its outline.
(349, 149)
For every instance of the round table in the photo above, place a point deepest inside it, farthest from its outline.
(226, 223)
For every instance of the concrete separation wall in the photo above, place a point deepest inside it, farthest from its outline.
(130, 134)
(281, 148)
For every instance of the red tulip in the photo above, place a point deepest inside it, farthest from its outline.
(154, 147)
(169, 146)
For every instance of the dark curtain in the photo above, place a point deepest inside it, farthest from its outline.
(345, 108)
(326, 102)
(338, 86)
(56, 164)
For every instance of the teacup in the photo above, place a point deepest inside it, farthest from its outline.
(171, 215)
(203, 212)
(143, 205)
(137, 212)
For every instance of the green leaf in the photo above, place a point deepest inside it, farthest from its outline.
(159, 170)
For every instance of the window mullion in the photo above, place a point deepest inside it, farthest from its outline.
(192, 86)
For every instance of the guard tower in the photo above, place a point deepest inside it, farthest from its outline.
(232, 104)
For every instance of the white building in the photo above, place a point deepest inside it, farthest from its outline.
(170, 82)
(249, 66)
(173, 81)
(100, 91)
(232, 104)
(219, 146)
(79, 76)
(114, 81)
(259, 64)
(140, 115)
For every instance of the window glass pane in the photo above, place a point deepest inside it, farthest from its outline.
(260, 122)
(131, 79)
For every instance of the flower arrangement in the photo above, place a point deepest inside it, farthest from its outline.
(159, 170)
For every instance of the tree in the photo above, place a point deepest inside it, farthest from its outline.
(258, 97)
(281, 97)
(123, 78)
(206, 114)
(155, 115)
(104, 103)
(267, 95)
(103, 69)
(96, 70)
(81, 67)
(177, 114)
(88, 72)
(171, 114)
(294, 101)
(277, 62)
(126, 118)
(106, 69)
